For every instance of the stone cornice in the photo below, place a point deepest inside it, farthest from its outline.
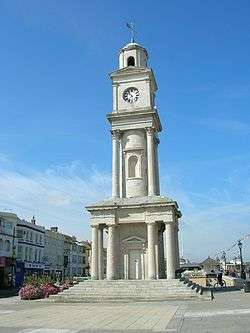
(113, 207)
(134, 71)
(135, 114)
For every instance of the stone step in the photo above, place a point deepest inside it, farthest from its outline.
(128, 286)
(128, 289)
(128, 282)
(125, 290)
(144, 285)
(124, 299)
(183, 287)
(144, 292)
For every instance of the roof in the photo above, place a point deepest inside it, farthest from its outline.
(132, 46)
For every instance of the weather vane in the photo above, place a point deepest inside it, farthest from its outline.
(131, 27)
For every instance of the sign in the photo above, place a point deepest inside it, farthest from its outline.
(33, 265)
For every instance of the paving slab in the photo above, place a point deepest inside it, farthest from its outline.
(229, 312)
(141, 316)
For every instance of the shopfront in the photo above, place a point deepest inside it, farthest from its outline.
(6, 272)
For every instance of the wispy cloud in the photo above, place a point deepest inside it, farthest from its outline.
(215, 216)
(220, 125)
(56, 196)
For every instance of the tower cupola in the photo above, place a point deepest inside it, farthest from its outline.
(133, 54)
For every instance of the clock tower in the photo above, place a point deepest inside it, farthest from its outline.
(139, 222)
(135, 125)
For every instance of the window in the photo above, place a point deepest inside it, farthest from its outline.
(26, 253)
(132, 166)
(20, 234)
(39, 255)
(131, 61)
(30, 254)
(1, 244)
(20, 249)
(7, 245)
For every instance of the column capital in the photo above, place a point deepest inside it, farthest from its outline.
(170, 223)
(116, 134)
(150, 130)
(151, 222)
(95, 226)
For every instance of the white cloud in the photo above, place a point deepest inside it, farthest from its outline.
(220, 125)
(213, 218)
(56, 196)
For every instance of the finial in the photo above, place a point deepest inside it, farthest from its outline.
(131, 26)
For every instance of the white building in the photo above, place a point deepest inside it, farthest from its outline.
(74, 257)
(137, 217)
(54, 252)
(30, 250)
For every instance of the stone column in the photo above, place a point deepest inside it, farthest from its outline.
(177, 252)
(111, 252)
(115, 163)
(142, 266)
(170, 249)
(121, 169)
(151, 250)
(125, 266)
(157, 176)
(100, 253)
(161, 254)
(151, 161)
(94, 249)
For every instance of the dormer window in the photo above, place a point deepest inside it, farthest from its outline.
(131, 61)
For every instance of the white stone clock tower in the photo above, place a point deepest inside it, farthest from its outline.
(137, 218)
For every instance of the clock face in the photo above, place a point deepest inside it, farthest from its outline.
(131, 95)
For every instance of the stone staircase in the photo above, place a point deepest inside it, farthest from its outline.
(129, 290)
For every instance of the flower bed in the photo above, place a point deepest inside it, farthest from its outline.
(29, 292)
(37, 288)
(49, 289)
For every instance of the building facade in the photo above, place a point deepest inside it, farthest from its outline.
(54, 253)
(8, 244)
(30, 249)
(137, 218)
(75, 257)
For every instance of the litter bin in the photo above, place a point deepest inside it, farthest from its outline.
(247, 287)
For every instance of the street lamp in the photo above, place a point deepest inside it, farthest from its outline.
(223, 257)
(242, 275)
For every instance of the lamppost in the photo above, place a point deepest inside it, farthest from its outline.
(14, 258)
(223, 257)
(242, 275)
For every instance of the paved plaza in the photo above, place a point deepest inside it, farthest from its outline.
(228, 312)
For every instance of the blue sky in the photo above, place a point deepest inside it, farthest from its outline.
(55, 151)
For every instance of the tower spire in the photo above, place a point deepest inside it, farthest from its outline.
(131, 27)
